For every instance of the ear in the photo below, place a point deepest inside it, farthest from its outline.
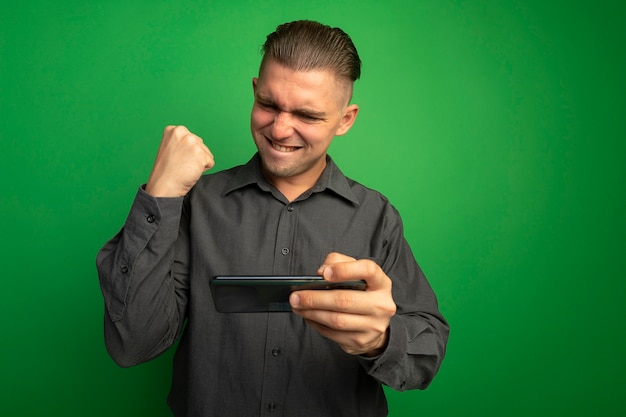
(347, 120)
(255, 81)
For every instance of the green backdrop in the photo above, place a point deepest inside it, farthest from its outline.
(497, 128)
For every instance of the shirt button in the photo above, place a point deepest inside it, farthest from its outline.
(272, 406)
(276, 351)
(151, 218)
(285, 251)
(290, 208)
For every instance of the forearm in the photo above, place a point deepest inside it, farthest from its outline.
(418, 332)
(144, 293)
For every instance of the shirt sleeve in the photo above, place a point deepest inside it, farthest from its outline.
(144, 288)
(418, 332)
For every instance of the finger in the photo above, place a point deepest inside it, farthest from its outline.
(354, 342)
(167, 131)
(365, 269)
(345, 340)
(339, 322)
(178, 131)
(352, 332)
(336, 257)
(195, 145)
(333, 258)
(210, 159)
(345, 301)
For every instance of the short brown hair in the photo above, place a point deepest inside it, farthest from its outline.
(304, 45)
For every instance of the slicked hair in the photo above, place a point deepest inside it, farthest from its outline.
(304, 45)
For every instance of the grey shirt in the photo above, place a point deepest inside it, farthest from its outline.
(154, 276)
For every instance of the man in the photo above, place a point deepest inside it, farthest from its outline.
(288, 211)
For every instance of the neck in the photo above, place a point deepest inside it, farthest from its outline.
(294, 186)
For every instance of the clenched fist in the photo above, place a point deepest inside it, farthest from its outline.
(182, 159)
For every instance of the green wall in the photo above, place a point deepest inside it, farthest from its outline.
(496, 127)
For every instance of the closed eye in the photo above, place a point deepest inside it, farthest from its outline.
(310, 117)
(306, 115)
(266, 105)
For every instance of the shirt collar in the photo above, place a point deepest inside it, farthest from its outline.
(332, 179)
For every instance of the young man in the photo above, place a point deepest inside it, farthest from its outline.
(288, 211)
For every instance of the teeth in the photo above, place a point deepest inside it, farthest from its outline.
(283, 148)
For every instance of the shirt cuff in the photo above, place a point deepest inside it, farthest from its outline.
(386, 365)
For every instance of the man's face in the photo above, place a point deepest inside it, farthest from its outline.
(296, 115)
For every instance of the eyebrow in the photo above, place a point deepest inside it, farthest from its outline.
(301, 111)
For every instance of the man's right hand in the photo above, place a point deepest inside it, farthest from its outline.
(182, 159)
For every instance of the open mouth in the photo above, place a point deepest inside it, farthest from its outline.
(282, 148)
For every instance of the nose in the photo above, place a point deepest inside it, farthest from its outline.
(282, 127)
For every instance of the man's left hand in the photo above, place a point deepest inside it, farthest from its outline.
(356, 320)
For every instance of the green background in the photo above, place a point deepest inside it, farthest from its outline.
(497, 128)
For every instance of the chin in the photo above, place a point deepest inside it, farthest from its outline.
(279, 171)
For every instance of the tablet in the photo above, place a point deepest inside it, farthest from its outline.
(250, 294)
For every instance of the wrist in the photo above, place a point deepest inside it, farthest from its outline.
(380, 346)
(156, 189)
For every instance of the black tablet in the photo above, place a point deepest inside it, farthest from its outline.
(248, 294)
